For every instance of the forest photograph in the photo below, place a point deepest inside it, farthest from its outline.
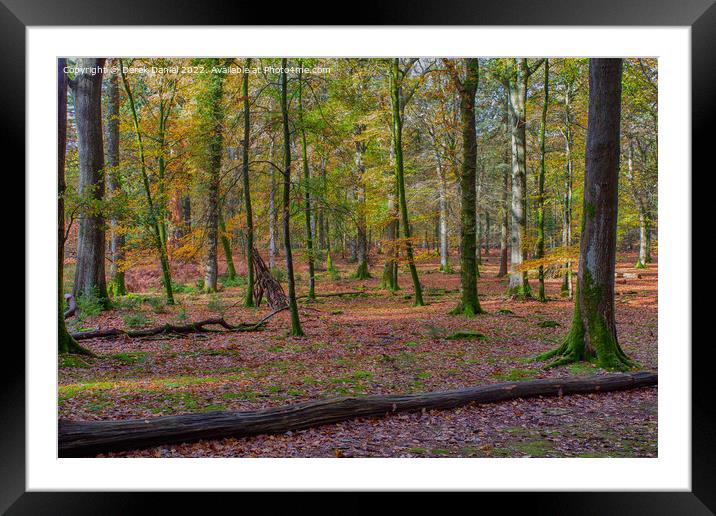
(397, 257)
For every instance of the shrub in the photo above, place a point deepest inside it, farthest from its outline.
(278, 274)
(236, 281)
(156, 303)
(216, 305)
(89, 305)
(135, 320)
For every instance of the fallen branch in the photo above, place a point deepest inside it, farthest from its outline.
(336, 294)
(86, 438)
(195, 327)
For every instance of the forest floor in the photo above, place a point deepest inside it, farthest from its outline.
(371, 343)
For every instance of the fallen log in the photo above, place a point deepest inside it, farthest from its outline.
(195, 327)
(86, 438)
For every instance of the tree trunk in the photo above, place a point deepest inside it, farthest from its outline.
(519, 285)
(296, 329)
(310, 257)
(443, 223)
(396, 79)
(469, 303)
(85, 438)
(321, 218)
(151, 213)
(593, 335)
(504, 226)
(249, 300)
(567, 217)
(89, 272)
(117, 286)
(361, 242)
(487, 233)
(211, 268)
(273, 247)
(226, 245)
(540, 191)
(65, 342)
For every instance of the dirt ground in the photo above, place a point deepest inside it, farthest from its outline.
(371, 343)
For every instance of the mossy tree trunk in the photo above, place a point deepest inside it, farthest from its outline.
(396, 77)
(296, 329)
(517, 86)
(65, 342)
(310, 255)
(117, 285)
(151, 213)
(593, 335)
(467, 87)
(249, 299)
(90, 270)
(540, 193)
(214, 115)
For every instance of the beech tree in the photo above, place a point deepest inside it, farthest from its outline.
(249, 301)
(467, 87)
(65, 342)
(296, 329)
(593, 335)
(213, 112)
(90, 270)
(117, 285)
(540, 182)
(398, 101)
(515, 79)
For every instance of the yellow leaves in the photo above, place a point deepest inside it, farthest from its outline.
(556, 257)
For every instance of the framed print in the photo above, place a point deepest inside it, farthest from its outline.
(444, 250)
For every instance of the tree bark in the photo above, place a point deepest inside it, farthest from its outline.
(273, 247)
(306, 192)
(567, 216)
(249, 300)
(504, 227)
(65, 342)
(215, 115)
(396, 79)
(90, 270)
(519, 284)
(593, 335)
(443, 222)
(361, 242)
(117, 286)
(540, 192)
(296, 329)
(86, 438)
(469, 303)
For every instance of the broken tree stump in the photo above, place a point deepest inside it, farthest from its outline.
(86, 438)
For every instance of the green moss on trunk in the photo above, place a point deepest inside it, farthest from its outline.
(591, 338)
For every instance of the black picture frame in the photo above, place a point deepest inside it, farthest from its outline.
(700, 15)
